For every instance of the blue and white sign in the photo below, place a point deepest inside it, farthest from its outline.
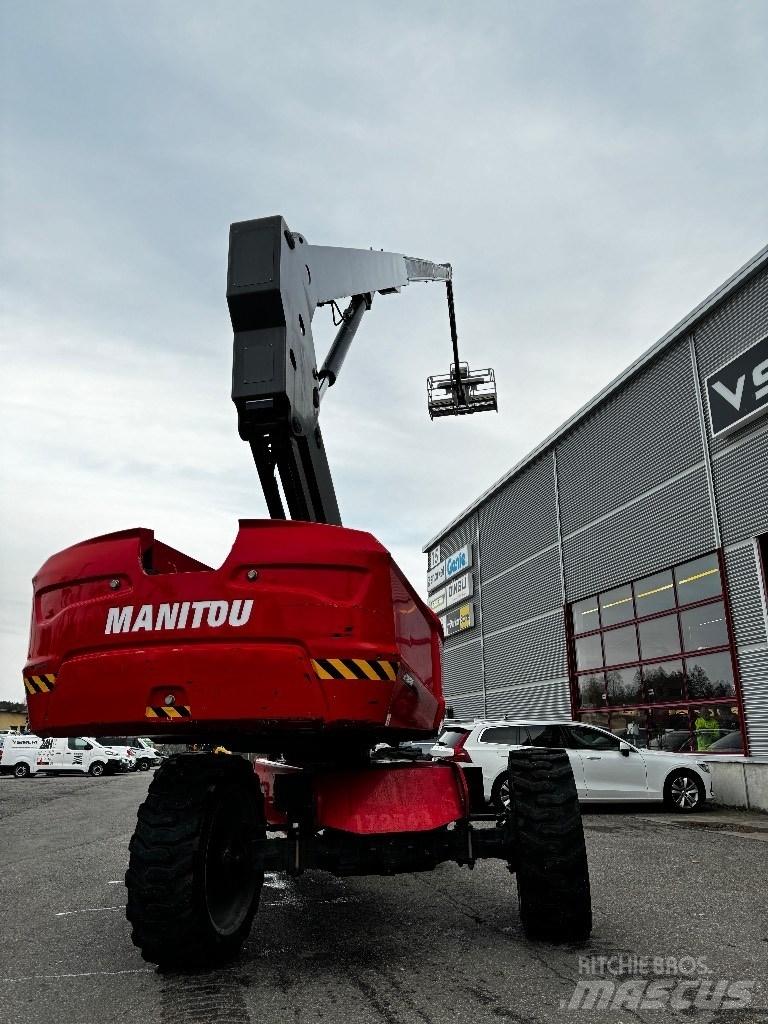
(458, 562)
(459, 590)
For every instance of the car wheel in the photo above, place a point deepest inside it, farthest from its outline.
(683, 791)
(500, 797)
(143, 766)
(21, 770)
(96, 769)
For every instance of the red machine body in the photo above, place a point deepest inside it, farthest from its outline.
(305, 629)
(375, 799)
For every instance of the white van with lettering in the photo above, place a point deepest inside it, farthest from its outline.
(138, 752)
(79, 754)
(18, 755)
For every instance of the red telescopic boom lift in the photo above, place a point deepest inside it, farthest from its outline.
(307, 646)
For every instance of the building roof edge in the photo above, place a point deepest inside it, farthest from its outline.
(718, 295)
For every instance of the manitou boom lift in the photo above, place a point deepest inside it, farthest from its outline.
(308, 646)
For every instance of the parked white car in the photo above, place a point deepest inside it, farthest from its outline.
(606, 769)
(77, 754)
(18, 755)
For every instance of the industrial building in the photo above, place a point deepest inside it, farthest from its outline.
(617, 574)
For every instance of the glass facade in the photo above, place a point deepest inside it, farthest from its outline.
(653, 661)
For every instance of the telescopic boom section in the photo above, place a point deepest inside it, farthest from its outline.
(275, 282)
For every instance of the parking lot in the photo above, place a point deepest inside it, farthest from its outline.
(428, 949)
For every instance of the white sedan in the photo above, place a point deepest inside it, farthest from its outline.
(605, 768)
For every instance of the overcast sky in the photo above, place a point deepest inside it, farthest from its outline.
(591, 170)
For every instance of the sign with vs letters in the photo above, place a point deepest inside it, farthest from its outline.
(738, 392)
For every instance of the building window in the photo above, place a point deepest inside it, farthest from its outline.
(653, 660)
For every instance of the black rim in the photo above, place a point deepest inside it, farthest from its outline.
(505, 797)
(230, 880)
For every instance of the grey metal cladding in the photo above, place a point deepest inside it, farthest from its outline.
(753, 668)
(468, 705)
(740, 477)
(643, 434)
(551, 700)
(733, 325)
(520, 519)
(521, 593)
(463, 534)
(667, 526)
(526, 653)
(745, 595)
(729, 329)
(462, 668)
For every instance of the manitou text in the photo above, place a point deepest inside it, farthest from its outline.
(180, 615)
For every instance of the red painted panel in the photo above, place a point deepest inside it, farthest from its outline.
(122, 622)
(394, 798)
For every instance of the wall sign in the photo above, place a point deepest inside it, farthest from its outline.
(459, 589)
(738, 391)
(437, 601)
(449, 567)
(434, 557)
(436, 576)
(458, 562)
(459, 619)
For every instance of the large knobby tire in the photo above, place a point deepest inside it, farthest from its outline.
(195, 871)
(550, 857)
(684, 792)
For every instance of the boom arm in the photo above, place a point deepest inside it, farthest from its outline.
(275, 282)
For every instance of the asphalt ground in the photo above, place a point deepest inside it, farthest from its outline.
(427, 948)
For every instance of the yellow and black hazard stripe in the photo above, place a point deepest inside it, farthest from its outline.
(169, 711)
(355, 668)
(40, 684)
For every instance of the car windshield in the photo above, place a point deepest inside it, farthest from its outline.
(450, 737)
(730, 742)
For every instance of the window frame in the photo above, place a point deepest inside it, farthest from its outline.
(645, 703)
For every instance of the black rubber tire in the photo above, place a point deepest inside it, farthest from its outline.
(680, 802)
(500, 786)
(97, 769)
(143, 765)
(550, 856)
(195, 870)
(21, 770)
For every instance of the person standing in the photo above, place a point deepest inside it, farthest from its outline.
(707, 729)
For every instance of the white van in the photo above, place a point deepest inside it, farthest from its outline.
(77, 754)
(138, 750)
(147, 755)
(18, 755)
